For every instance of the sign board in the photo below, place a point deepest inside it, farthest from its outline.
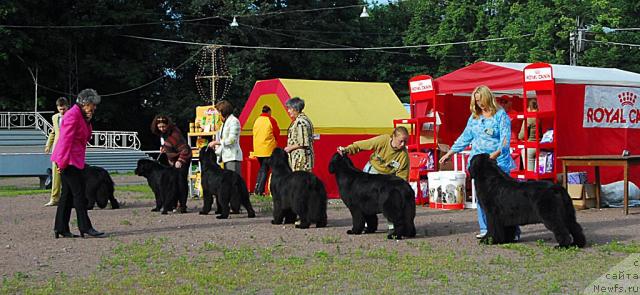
(611, 107)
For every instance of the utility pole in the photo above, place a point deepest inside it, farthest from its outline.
(576, 43)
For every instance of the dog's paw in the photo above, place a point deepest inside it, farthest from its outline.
(486, 240)
(222, 217)
(203, 213)
(302, 225)
(352, 232)
(155, 209)
(321, 224)
(394, 236)
(164, 213)
(251, 215)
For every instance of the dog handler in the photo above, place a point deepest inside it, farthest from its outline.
(488, 131)
(178, 153)
(389, 155)
(69, 156)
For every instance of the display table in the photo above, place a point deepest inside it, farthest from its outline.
(597, 161)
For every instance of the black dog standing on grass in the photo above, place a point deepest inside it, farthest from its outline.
(163, 180)
(99, 188)
(228, 186)
(366, 195)
(298, 193)
(508, 203)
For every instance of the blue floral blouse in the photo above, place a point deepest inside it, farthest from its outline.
(487, 135)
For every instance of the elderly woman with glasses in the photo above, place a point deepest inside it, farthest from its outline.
(178, 153)
(69, 156)
(299, 137)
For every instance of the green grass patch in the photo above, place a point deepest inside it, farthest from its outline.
(616, 246)
(13, 191)
(156, 266)
(141, 191)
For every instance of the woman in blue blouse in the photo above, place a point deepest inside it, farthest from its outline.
(488, 131)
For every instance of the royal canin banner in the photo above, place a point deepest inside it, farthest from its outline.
(611, 107)
(421, 85)
(537, 74)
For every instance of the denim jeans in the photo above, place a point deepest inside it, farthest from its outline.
(482, 221)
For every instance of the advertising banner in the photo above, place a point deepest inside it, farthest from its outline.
(611, 107)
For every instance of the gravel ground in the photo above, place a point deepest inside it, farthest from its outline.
(27, 244)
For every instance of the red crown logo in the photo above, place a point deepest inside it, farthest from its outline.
(627, 98)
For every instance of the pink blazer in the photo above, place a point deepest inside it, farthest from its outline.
(75, 132)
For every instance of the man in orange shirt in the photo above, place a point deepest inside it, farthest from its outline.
(265, 135)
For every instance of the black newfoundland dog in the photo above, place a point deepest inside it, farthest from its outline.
(99, 188)
(298, 193)
(163, 181)
(366, 195)
(508, 203)
(228, 186)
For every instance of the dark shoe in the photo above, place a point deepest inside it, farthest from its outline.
(64, 234)
(92, 232)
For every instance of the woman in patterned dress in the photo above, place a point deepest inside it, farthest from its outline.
(299, 137)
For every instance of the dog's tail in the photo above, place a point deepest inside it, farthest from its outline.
(573, 226)
(244, 198)
(317, 204)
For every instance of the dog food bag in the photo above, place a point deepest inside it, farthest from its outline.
(577, 177)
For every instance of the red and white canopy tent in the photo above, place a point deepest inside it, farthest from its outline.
(596, 109)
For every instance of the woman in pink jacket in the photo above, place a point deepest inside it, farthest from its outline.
(69, 155)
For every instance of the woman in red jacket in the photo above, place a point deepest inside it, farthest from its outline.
(69, 156)
(178, 153)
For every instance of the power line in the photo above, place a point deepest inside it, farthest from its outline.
(312, 40)
(173, 21)
(327, 48)
(131, 89)
(105, 26)
(613, 43)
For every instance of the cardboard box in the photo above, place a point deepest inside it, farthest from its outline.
(583, 196)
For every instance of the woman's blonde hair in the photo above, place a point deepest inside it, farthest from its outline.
(486, 98)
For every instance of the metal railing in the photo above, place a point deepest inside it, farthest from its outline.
(99, 139)
(24, 120)
(114, 140)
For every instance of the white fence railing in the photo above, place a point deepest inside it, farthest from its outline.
(114, 140)
(99, 139)
(24, 120)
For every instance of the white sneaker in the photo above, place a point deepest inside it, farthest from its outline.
(51, 203)
(481, 235)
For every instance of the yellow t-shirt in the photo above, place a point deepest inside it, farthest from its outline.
(264, 140)
(385, 159)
